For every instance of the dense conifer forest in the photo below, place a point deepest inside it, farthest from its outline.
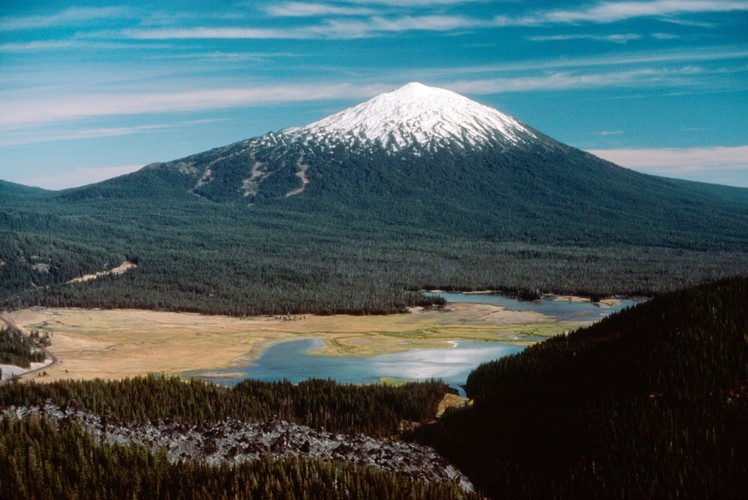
(651, 402)
(376, 410)
(40, 459)
(43, 459)
(21, 350)
(368, 256)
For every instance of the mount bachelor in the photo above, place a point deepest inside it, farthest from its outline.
(429, 157)
(416, 188)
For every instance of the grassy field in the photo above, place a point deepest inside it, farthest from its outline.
(110, 344)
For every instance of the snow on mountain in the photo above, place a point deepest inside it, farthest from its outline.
(416, 114)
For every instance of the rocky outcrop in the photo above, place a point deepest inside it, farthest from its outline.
(234, 441)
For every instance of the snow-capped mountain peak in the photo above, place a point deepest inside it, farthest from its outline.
(416, 114)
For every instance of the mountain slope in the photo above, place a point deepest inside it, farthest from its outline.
(430, 158)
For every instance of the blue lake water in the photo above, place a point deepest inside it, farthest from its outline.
(291, 360)
(562, 310)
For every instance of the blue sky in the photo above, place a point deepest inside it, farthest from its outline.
(90, 90)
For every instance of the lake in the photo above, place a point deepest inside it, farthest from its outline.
(291, 360)
(562, 310)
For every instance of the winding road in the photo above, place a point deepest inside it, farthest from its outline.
(54, 360)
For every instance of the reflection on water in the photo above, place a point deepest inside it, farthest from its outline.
(290, 360)
(562, 310)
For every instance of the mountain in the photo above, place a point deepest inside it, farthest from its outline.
(416, 188)
(428, 157)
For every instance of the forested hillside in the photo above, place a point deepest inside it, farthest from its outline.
(197, 255)
(44, 457)
(43, 460)
(651, 402)
(376, 410)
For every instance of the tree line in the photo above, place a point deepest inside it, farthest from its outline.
(376, 410)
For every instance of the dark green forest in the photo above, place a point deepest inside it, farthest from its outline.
(375, 410)
(19, 349)
(42, 460)
(651, 402)
(347, 253)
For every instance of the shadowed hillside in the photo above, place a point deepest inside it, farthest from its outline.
(649, 402)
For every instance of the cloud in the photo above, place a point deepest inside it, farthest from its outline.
(610, 12)
(665, 36)
(74, 16)
(564, 80)
(77, 177)
(678, 161)
(198, 33)
(23, 112)
(48, 45)
(334, 29)
(617, 38)
(18, 137)
(412, 3)
(658, 59)
(15, 113)
(18, 111)
(302, 9)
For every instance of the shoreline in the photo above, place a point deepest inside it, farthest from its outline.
(16, 371)
(119, 343)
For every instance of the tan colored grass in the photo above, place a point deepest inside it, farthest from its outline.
(113, 344)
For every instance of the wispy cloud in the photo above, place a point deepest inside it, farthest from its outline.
(333, 29)
(660, 59)
(675, 161)
(19, 137)
(18, 110)
(615, 38)
(76, 177)
(14, 113)
(610, 12)
(50, 45)
(412, 3)
(74, 16)
(216, 33)
(303, 9)
(352, 20)
(564, 80)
